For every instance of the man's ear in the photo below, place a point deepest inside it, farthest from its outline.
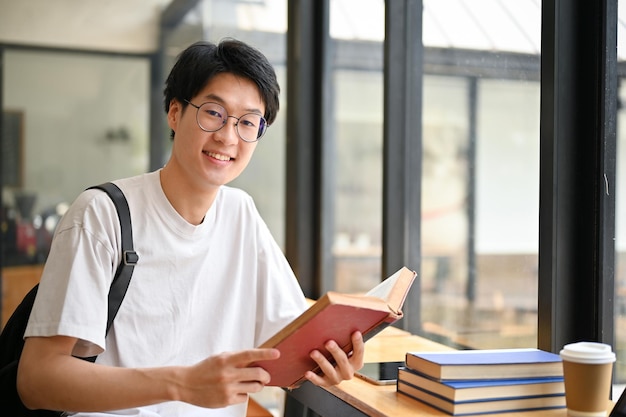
(174, 114)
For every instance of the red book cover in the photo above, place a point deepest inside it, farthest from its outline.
(335, 317)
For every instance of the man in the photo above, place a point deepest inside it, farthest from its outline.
(210, 285)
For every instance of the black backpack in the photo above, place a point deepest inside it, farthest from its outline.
(12, 336)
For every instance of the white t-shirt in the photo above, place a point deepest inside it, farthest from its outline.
(197, 291)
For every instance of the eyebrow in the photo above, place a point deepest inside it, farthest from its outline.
(220, 100)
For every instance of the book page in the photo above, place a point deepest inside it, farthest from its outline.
(383, 289)
(394, 289)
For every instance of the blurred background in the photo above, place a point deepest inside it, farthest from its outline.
(81, 85)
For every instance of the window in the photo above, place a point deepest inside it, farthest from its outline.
(480, 165)
(73, 136)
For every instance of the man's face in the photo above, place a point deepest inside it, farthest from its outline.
(212, 159)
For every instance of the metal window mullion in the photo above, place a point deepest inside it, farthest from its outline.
(308, 203)
(402, 146)
(577, 138)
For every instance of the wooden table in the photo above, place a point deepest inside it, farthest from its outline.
(16, 282)
(359, 398)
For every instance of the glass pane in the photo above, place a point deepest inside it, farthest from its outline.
(67, 133)
(493, 305)
(444, 202)
(480, 184)
(358, 181)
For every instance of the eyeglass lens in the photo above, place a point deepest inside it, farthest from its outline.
(212, 117)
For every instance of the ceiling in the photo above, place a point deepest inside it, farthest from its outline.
(129, 26)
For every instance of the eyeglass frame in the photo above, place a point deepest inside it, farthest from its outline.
(226, 119)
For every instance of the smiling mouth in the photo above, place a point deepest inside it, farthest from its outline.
(219, 156)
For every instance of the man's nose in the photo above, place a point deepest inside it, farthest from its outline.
(228, 133)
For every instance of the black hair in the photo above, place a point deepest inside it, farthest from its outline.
(202, 61)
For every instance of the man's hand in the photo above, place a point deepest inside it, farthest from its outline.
(226, 379)
(345, 365)
(50, 377)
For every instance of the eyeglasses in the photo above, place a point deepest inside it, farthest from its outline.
(211, 117)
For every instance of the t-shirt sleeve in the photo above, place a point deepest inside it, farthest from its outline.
(72, 296)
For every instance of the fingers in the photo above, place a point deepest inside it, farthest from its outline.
(358, 351)
(329, 375)
(226, 378)
(242, 365)
(345, 364)
(247, 357)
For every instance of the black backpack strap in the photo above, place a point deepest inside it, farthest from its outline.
(12, 335)
(129, 256)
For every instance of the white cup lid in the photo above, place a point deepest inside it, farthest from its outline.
(588, 352)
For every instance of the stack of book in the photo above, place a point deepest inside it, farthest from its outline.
(466, 382)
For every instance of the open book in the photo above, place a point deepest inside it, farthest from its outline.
(334, 316)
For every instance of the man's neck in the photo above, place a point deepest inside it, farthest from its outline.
(191, 203)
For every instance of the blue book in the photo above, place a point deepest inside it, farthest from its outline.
(498, 405)
(486, 364)
(483, 389)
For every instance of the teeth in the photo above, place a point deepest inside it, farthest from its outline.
(219, 156)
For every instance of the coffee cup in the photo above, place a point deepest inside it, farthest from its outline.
(587, 373)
